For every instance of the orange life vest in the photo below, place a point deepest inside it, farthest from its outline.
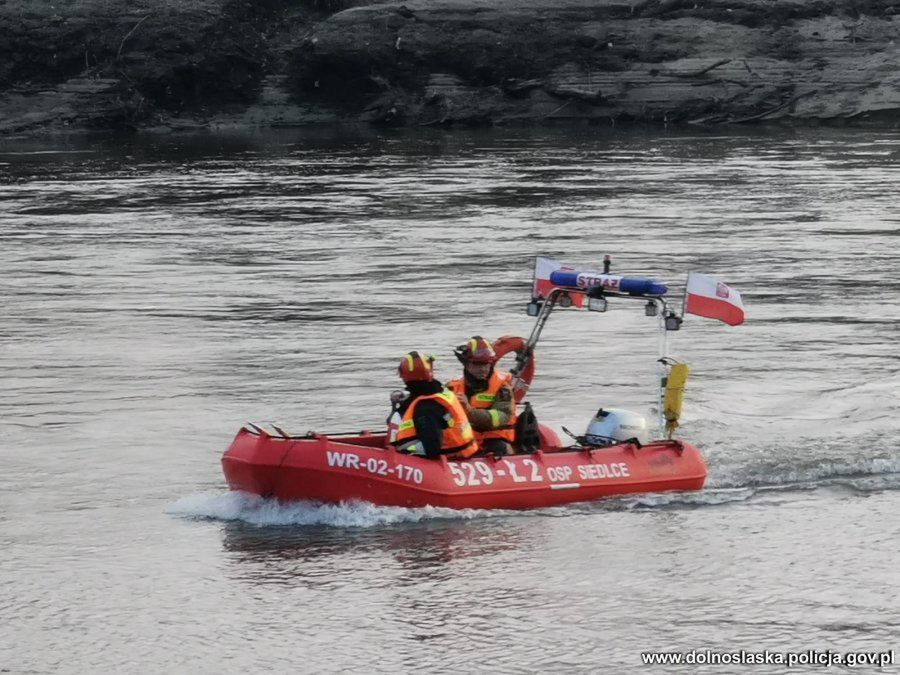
(485, 399)
(458, 439)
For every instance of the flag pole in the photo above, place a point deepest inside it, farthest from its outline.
(663, 372)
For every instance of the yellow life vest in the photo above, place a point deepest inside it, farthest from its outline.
(458, 440)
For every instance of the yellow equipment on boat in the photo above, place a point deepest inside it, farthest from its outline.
(674, 395)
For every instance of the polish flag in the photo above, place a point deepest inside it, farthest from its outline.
(705, 296)
(543, 268)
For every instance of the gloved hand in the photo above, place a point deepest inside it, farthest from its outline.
(412, 448)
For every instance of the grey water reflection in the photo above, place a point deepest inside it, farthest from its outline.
(424, 551)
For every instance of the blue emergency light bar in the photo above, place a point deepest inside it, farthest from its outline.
(608, 282)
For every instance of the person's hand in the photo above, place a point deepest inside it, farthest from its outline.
(463, 401)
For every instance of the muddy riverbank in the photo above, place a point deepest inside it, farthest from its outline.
(234, 63)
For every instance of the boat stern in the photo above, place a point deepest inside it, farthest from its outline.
(252, 461)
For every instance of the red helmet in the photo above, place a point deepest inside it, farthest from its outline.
(416, 368)
(476, 350)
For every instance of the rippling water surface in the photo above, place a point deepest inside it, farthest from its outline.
(156, 294)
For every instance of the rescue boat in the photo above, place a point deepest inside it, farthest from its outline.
(613, 457)
(345, 468)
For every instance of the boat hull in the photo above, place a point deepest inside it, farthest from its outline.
(360, 468)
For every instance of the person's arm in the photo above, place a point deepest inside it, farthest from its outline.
(430, 425)
(495, 417)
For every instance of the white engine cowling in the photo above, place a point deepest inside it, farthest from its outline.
(614, 425)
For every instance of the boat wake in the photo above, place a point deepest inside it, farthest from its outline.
(867, 474)
(737, 474)
(757, 480)
(770, 482)
(262, 512)
(715, 497)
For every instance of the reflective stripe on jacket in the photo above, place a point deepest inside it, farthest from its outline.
(457, 440)
(484, 400)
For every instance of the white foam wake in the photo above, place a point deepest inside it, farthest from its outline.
(701, 498)
(787, 470)
(262, 512)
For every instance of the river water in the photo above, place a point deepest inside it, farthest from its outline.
(157, 293)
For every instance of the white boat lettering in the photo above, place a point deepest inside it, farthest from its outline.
(407, 473)
(535, 472)
(374, 465)
(559, 474)
(614, 470)
(477, 473)
(342, 459)
(473, 473)
(487, 476)
(512, 471)
(462, 474)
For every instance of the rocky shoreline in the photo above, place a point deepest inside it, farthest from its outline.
(90, 64)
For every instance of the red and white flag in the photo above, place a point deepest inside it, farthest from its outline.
(543, 268)
(705, 296)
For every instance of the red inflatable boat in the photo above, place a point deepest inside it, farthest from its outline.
(349, 468)
(613, 457)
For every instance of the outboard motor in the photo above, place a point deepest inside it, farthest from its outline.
(614, 425)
